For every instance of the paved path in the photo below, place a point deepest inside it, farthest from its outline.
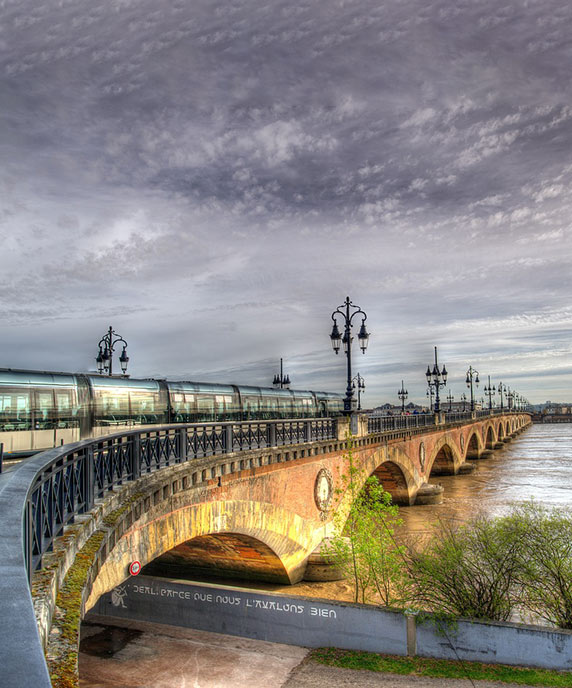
(157, 656)
(147, 655)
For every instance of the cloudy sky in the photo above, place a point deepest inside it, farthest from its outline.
(212, 178)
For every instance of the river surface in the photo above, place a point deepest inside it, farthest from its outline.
(537, 463)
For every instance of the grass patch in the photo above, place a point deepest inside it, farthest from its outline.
(440, 668)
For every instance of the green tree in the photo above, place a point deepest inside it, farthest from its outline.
(469, 570)
(363, 545)
(545, 570)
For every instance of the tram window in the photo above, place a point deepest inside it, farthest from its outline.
(67, 414)
(205, 408)
(15, 411)
(143, 407)
(111, 406)
(44, 411)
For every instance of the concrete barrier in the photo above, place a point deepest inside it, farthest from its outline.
(323, 623)
(262, 616)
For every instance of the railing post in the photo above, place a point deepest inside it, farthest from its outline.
(307, 431)
(89, 478)
(136, 456)
(182, 444)
(28, 540)
(228, 439)
(272, 434)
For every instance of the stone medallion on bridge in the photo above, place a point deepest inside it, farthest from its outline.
(422, 455)
(462, 443)
(323, 491)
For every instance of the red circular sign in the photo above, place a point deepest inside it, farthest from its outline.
(134, 568)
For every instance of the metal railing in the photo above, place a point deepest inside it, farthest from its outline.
(69, 484)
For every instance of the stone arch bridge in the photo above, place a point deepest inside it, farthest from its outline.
(250, 499)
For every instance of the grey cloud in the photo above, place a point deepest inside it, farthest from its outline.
(218, 178)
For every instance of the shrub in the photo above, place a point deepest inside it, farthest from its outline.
(468, 570)
(545, 569)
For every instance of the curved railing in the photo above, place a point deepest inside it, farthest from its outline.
(47, 492)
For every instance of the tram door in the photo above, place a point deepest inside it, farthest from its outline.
(85, 410)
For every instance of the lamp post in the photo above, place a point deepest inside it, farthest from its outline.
(464, 399)
(490, 392)
(358, 382)
(501, 388)
(472, 374)
(337, 339)
(402, 394)
(509, 398)
(281, 381)
(430, 393)
(104, 357)
(436, 379)
(450, 399)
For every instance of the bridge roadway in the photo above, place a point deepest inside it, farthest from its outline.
(251, 498)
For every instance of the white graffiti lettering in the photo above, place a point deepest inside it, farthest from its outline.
(324, 613)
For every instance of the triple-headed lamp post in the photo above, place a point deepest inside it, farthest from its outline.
(402, 394)
(436, 379)
(338, 339)
(472, 374)
(450, 399)
(501, 388)
(281, 381)
(104, 357)
(359, 384)
(490, 392)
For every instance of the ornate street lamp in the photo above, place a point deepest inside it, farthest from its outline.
(359, 381)
(104, 358)
(464, 399)
(402, 394)
(436, 379)
(281, 381)
(430, 393)
(490, 392)
(472, 374)
(501, 388)
(509, 398)
(450, 399)
(337, 340)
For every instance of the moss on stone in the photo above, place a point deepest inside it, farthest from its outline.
(63, 647)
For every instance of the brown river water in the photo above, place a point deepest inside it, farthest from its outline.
(537, 463)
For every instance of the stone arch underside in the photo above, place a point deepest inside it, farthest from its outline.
(490, 441)
(444, 461)
(223, 555)
(500, 431)
(473, 448)
(278, 530)
(393, 480)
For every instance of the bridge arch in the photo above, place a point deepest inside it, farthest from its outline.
(223, 555)
(392, 478)
(474, 446)
(277, 535)
(490, 438)
(445, 459)
(500, 432)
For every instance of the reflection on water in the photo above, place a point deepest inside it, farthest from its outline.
(537, 463)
